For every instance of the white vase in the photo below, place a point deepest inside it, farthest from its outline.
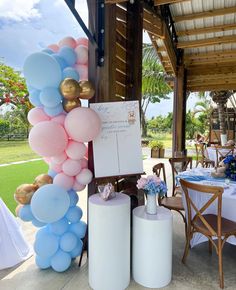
(151, 205)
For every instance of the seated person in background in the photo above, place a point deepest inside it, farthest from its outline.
(200, 138)
(230, 143)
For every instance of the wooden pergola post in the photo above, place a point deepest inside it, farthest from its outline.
(179, 113)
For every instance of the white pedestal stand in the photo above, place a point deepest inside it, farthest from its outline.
(152, 247)
(109, 242)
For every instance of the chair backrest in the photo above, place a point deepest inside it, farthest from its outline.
(215, 193)
(159, 169)
(222, 152)
(199, 152)
(179, 164)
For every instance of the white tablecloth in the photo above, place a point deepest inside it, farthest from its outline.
(211, 153)
(13, 247)
(228, 204)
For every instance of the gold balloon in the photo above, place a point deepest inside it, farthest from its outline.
(43, 179)
(88, 90)
(70, 105)
(70, 89)
(24, 193)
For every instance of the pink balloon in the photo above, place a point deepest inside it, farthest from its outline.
(84, 163)
(48, 139)
(60, 119)
(59, 158)
(54, 47)
(71, 167)
(82, 54)
(82, 41)
(84, 177)
(82, 70)
(55, 167)
(78, 187)
(64, 181)
(37, 115)
(76, 150)
(82, 124)
(68, 41)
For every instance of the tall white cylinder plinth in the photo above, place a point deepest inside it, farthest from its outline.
(109, 242)
(152, 247)
(223, 138)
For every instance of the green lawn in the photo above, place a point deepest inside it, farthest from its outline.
(11, 151)
(14, 175)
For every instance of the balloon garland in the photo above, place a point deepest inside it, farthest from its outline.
(57, 79)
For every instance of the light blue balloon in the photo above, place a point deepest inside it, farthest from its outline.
(50, 97)
(74, 198)
(52, 173)
(79, 229)
(68, 241)
(52, 112)
(34, 98)
(59, 227)
(68, 54)
(77, 250)
(42, 263)
(74, 214)
(25, 213)
(48, 51)
(60, 60)
(42, 70)
(46, 245)
(42, 232)
(50, 203)
(70, 72)
(61, 261)
(37, 223)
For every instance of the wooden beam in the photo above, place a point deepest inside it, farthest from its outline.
(215, 87)
(154, 30)
(207, 42)
(169, 49)
(213, 61)
(211, 70)
(210, 13)
(229, 76)
(114, 1)
(210, 54)
(162, 2)
(204, 30)
(152, 18)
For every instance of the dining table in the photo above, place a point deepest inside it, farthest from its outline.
(203, 176)
(212, 154)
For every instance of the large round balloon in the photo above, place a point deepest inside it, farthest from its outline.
(37, 115)
(48, 139)
(50, 203)
(82, 124)
(41, 70)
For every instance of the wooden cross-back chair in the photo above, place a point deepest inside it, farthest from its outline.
(210, 225)
(179, 164)
(201, 157)
(170, 202)
(222, 152)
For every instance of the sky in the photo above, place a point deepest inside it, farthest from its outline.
(28, 26)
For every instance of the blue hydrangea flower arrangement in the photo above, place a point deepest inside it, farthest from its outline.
(152, 185)
(230, 171)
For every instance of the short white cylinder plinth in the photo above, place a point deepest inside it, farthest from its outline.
(152, 247)
(223, 138)
(109, 242)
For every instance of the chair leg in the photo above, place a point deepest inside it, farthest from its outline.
(221, 274)
(187, 245)
(210, 246)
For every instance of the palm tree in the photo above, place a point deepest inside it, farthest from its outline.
(221, 98)
(154, 87)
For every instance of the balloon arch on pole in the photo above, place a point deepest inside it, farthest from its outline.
(56, 80)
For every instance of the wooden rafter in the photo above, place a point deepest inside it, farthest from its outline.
(162, 2)
(152, 24)
(210, 13)
(211, 69)
(217, 28)
(114, 1)
(208, 41)
(210, 61)
(208, 87)
(210, 54)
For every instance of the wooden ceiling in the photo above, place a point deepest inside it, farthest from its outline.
(205, 33)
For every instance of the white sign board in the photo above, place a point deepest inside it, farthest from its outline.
(117, 150)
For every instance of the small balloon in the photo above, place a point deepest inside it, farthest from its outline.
(24, 193)
(43, 179)
(68, 41)
(70, 89)
(87, 90)
(70, 105)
